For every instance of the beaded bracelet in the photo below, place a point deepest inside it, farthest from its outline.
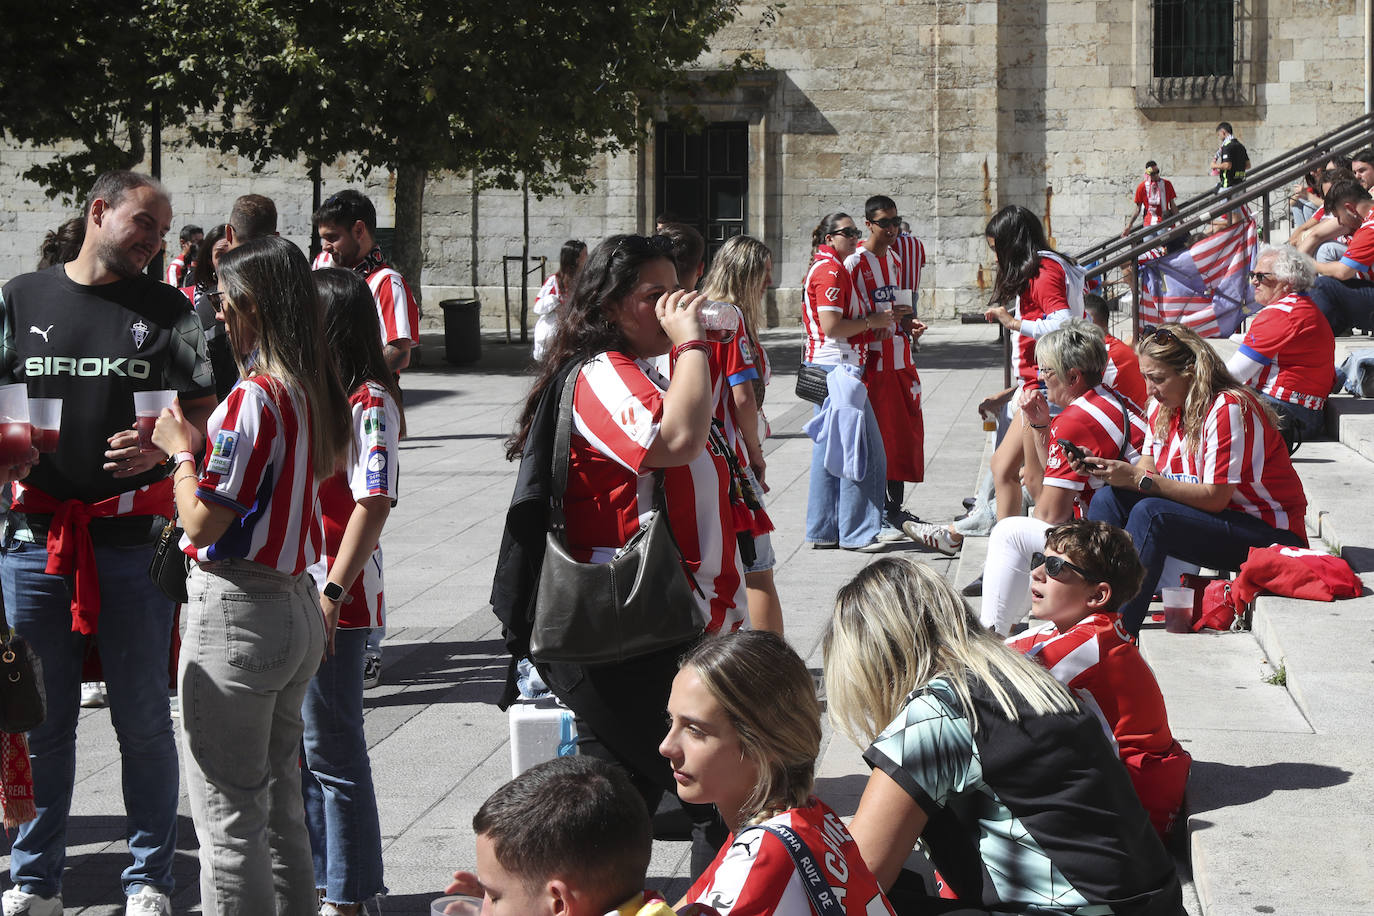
(691, 345)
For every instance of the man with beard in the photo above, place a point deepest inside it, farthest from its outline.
(81, 532)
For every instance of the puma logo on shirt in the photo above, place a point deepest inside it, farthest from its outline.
(35, 329)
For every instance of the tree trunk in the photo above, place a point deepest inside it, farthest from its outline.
(410, 198)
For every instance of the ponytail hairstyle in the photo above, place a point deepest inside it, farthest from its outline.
(352, 333)
(828, 225)
(271, 275)
(769, 697)
(1181, 349)
(1018, 237)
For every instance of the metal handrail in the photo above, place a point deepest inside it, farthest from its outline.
(1202, 209)
(1348, 138)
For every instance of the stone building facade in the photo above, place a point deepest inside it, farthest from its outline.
(952, 108)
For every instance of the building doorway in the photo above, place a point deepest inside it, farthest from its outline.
(703, 179)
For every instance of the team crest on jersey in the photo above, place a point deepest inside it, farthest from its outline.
(222, 455)
(140, 332)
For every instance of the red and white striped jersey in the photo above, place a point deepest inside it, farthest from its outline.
(1123, 372)
(754, 874)
(1097, 659)
(1154, 198)
(1046, 294)
(258, 464)
(617, 408)
(1359, 254)
(176, 270)
(734, 362)
(372, 471)
(1237, 446)
(875, 285)
(397, 309)
(1292, 343)
(322, 260)
(1095, 421)
(828, 288)
(912, 253)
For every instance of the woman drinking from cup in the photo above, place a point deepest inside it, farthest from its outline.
(630, 425)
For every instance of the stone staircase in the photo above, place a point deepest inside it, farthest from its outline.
(1279, 816)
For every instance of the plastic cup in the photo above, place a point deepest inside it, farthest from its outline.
(902, 297)
(989, 422)
(1178, 609)
(456, 905)
(148, 406)
(45, 423)
(720, 320)
(15, 435)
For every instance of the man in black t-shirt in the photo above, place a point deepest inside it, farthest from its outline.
(80, 534)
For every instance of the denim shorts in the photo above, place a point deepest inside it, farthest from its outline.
(764, 558)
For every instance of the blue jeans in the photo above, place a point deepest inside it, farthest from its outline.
(847, 511)
(1162, 528)
(135, 633)
(1311, 422)
(1345, 303)
(340, 804)
(254, 637)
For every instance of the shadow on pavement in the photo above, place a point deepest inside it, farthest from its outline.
(1222, 785)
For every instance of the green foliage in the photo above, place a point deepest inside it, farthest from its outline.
(521, 88)
(1280, 676)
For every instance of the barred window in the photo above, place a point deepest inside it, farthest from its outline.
(1194, 38)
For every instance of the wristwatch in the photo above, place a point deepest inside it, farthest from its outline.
(333, 591)
(1145, 484)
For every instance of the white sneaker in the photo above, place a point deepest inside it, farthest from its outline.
(17, 903)
(372, 671)
(148, 902)
(936, 537)
(92, 697)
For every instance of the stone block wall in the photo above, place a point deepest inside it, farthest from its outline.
(953, 108)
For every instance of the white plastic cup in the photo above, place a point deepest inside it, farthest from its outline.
(45, 421)
(1178, 609)
(720, 320)
(15, 434)
(148, 406)
(456, 905)
(902, 297)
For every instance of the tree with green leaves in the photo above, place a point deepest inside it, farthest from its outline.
(523, 91)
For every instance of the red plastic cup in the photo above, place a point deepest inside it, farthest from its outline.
(148, 406)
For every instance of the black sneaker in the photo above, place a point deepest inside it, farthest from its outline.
(974, 589)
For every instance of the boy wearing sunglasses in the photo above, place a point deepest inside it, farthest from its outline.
(1088, 570)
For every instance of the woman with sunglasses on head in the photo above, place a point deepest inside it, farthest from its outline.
(1214, 479)
(1289, 352)
(1011, 785)
(336, 776)
(841, 512)
(630, 424)
(255, 632)
(1084, 573)
(744, 735)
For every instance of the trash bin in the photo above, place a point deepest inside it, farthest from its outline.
(462, 330)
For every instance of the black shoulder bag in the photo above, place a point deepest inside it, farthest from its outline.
(601, 613)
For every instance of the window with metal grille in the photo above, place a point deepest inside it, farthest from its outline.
(1194, 38)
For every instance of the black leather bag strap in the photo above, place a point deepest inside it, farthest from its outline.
(823, 899)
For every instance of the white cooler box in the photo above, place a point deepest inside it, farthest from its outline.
(540, 730)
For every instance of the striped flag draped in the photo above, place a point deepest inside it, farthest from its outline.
(1203, 286)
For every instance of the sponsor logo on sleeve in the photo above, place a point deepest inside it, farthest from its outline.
(376, 470)
(222, 454)
(374, 426)
(833, 294)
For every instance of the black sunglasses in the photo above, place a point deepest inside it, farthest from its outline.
(848, 232)
(644, 244)
(1162, 333)
(1056, 565)
(216, 298)
(1258, 276)
(892, 222)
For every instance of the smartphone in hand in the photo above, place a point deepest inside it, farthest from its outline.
(1076, 454)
